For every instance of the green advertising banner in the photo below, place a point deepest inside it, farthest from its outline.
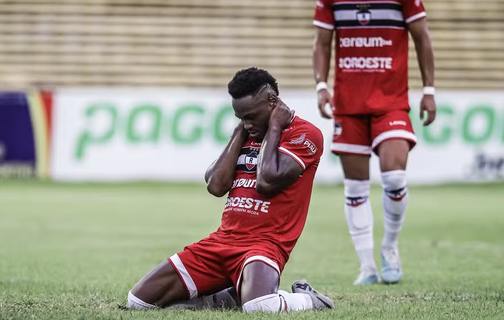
(173, 135)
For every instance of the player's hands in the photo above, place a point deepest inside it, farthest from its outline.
(281, 116)
(428, 105)
(324, 97)
(240, 131)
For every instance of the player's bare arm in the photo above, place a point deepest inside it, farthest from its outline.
(425, 55)
(275, 170)
(321, 63)
(220, 175)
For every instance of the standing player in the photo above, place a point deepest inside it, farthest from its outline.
(268, 168)
(370, 109)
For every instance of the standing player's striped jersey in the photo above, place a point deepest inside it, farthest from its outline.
(371, 52)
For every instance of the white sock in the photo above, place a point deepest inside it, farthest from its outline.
(296, 301)
(367, 261)
(395, 199)
(136, 303)
(278, 302)
(359, 217)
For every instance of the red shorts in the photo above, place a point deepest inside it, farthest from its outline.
(362, 134)
(209, 265)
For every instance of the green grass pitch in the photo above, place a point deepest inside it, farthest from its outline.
(73, 251)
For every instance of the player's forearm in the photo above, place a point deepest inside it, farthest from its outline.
(220, 175)
(268, 171)
(321, 61)
(425, 56)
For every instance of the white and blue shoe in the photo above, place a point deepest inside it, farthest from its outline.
(391, 271)
(366, 277)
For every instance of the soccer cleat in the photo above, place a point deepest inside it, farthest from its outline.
(391, 271)
(319, 301)
(366, 278)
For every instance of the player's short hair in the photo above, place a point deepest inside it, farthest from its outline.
(249, 81)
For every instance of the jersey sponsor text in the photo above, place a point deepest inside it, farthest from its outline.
(369, 63)
(364, 42)
(244, 183)
(247, 203)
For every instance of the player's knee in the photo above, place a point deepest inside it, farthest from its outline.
(137, 303)
(394, 159)
(396, 162)
(268, 303)
(356, 187)
(392, 180)
(355, 167)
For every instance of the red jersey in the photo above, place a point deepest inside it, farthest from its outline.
(250, 218)
(371, 52)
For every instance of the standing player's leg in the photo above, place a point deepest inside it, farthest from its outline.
(352, 142)
(259, 291)
(359, 215)
(393, 138)
(393, 158)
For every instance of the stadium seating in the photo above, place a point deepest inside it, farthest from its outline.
(200, 43)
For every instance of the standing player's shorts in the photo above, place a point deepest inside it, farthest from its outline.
(209, 265)
(362, 134)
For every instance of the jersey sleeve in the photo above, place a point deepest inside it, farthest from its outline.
(324, 17)
(304, 144)
(413, 10)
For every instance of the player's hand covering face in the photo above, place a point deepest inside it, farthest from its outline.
(255, 111)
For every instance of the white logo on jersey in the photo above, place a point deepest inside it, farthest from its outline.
(312, 148)
(245, 183)
(298, 140)
(364, 16)
(360, 42)
(251, 160)
(397, 123)
(370, 63)
(248, 203)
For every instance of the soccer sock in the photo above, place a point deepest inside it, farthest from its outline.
(277, 302)
(395, 199)
(136, 303)
(360, 221)
(296, 301)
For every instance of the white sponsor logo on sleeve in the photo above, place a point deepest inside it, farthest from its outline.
(312, 148)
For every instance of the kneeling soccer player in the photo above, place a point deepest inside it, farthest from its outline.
(268, 167)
